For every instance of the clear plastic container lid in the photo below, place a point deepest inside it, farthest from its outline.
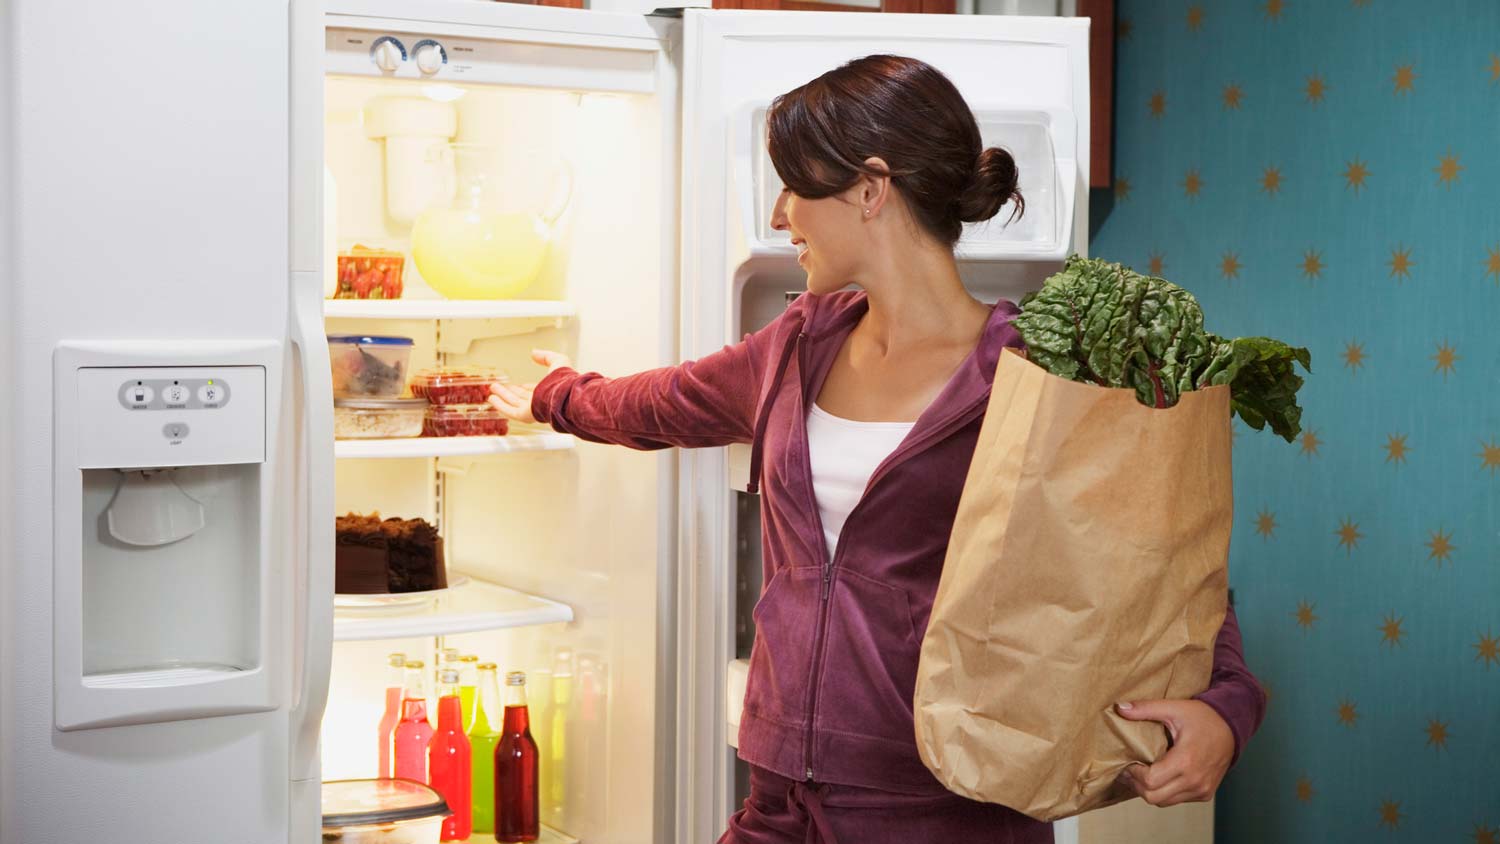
(370, 340)
(363, 802)
(452, 377)
(403, 403)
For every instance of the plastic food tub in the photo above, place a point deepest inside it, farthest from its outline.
(359, 419)
(455, 386)
(465, 420)
(368, 365)
(384, 811)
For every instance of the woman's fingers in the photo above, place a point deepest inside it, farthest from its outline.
(550, 359)
(512, 400)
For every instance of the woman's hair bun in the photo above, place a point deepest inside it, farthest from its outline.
(994, 184)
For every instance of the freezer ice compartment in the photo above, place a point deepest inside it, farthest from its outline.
(180, 613)
(1026, 134)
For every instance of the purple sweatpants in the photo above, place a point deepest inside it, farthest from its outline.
(783, 811)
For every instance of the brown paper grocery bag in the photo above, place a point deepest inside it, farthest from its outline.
(1087, 566)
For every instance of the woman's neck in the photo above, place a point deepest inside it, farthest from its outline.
(918, 298)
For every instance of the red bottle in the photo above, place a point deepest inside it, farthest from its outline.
(395, 685)
(448, 759)
(413, 733)
(516, 815)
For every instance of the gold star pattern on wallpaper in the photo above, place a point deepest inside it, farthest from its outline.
(1158, 104)
(1441, 546)
(1360, 4)
(1195, 18)
(1390, 814)
(1390, 630)
(1315, 88)
(1192, 183)
(1489, 457)
(1123, 28)
(1304, 789)
(1230, 265)
(1122, 189)
(1447, 169)
(1265, 524)
(1348, 713)
(1312, 264)
(1445, 357)
(1348, 534)
(1396, 449)
(1354, 356)
(1304, 615)
(1274, 8)
(1437, 734)
(1484, 835)
(1355, 173)
(1492, 264)
(1157, 262)
(1310, 442)
(1401, 263)
(1488, 648)
(1270, 181)
(1403, 79)
(1233, 96)
(1494, 67)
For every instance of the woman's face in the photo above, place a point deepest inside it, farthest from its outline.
(829, 236)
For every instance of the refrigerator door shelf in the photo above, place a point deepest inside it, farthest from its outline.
(474, 606)
(452, 447)
(448, 309)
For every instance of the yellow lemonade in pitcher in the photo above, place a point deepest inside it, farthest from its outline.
(475, 254)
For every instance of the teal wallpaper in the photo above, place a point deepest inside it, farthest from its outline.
(1327, 172)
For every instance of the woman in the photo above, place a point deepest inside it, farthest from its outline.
(863, 408)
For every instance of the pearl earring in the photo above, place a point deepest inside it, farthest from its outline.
(867, 212)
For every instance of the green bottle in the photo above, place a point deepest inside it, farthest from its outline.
(482, 741)
(468, 678)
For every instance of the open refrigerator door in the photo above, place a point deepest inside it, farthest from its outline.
(1026, 80)
(505, 179)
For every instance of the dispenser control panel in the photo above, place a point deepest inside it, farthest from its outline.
(154, 417)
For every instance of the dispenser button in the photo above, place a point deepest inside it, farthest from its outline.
(210, 394)
(175, 394)
(139, 395)
(175, 431)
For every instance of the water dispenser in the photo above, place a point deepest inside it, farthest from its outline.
(161, 569)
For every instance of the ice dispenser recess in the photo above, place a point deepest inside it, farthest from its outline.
(161, 565)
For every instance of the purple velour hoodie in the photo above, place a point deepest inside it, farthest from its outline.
(833, 668)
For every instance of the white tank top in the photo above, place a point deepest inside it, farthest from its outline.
(845, 453)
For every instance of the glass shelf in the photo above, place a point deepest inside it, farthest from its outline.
(452, 446)
(469, 608)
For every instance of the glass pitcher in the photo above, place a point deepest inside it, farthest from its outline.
(489, 236)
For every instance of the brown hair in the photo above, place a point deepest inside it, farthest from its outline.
(906, 112)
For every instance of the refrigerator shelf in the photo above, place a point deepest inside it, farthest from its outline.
(452, 446)
(476, 605)
(548, 836)
(447, 309)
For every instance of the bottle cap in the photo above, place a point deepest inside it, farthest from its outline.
(448, 676)
(415, 663)
(397, 660)
(515, 678)
(468, 658)
(487, 666)
(450, 654)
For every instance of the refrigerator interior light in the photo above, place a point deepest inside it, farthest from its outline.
(442, 93)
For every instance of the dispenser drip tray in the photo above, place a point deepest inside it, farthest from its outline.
(159, 676)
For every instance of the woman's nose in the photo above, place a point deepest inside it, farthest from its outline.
(778, 213)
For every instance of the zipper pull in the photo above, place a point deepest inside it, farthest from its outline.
(809, 775)
(827, 584)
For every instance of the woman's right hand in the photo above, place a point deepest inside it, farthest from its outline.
(514, 400)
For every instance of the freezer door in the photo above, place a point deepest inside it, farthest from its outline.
(1027, 81)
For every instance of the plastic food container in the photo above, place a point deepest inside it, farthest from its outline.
(465, 420)
(366, 365)
(385, 811)
(365, 273)
(359, 419)
(455, 386)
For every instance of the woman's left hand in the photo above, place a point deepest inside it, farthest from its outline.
(1192, 768)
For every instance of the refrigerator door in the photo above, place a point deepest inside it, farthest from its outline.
(1026, 80)
(146, 690)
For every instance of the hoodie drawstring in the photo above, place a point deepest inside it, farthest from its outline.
(807, 798)
(758, 434)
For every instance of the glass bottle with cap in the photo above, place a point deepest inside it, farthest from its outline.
(448, 758)
(395, 685)
(468, 677)
(484, 735)
(413, 733)
(516, 815)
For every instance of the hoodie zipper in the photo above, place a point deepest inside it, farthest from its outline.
(820, 636)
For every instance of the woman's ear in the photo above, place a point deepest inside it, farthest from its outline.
(874, 190)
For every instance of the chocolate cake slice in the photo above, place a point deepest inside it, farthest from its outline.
(375, 556)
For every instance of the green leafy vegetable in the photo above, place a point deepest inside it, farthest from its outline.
(1103, 323)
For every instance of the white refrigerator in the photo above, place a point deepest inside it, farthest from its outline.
(175, 180)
